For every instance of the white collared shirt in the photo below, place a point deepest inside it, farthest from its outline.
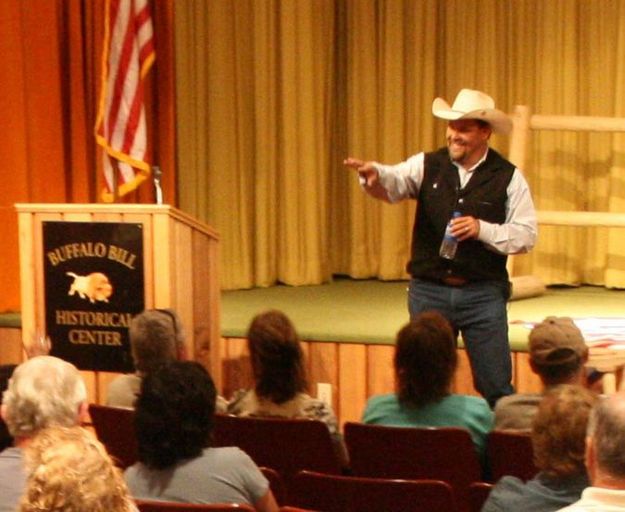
(598, 499)
(516, 235)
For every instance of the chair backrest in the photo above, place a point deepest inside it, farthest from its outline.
(335, 493)
(115, 429)
(442, 453)
(510, 453)
(6, 370)
(478, 494)
(286, 445)
(276, 484)
(164, 506)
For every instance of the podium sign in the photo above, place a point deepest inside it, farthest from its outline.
(150, 256)
(93, 285)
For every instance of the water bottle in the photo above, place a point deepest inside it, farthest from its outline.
(449, 245)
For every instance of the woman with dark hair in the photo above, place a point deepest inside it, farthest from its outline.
(174, 420)
(425, 362)
(280, 388)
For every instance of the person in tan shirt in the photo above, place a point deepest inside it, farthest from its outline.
(280, 381)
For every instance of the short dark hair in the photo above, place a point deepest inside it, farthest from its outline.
(425, 359)
(559, 374)
(174, 413)
(277, 358)
(483, 124)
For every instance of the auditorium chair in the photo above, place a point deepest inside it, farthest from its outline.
(6, 370)
(441, 453)
(336, 493)
(510, 453)
(115, 429)
(276, 484)
(286, 445)
(164, 506)
(478, 494)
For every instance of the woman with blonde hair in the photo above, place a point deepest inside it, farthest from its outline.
(70, 471)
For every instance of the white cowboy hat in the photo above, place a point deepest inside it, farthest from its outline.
(471, 104)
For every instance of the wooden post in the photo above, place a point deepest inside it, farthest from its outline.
(520, 134)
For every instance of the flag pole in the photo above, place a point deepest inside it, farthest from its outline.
(114, 177)
(121, 129)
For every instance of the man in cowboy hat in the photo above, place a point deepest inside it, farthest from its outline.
(496, 218)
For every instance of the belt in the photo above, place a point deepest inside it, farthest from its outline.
(454, 280)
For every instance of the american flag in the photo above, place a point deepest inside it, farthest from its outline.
(127, 56)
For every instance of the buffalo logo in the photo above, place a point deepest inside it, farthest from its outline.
(94, 286)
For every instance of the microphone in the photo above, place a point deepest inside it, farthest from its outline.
(156, 172)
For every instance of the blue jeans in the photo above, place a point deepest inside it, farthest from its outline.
(478, 311)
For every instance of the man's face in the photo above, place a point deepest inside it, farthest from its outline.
(467, 140)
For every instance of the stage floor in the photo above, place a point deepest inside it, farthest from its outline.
(371, 311)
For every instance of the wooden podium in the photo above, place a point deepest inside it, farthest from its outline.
(180, 267)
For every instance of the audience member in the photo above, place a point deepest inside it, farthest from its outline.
(425, 363)
(44, 391)
(557, 355)
(605, 458)
(280, 377)
(156, 337)
(558, 439)
(38, 345)
(174, 420)
(70, 471)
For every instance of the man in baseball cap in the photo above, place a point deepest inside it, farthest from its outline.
(557, 350)
(558, 354)
(492, 215)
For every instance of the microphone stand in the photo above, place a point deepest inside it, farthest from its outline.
(156, 172)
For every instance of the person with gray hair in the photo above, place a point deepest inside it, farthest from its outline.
(43, 392)
(605, 458)
(156, 337)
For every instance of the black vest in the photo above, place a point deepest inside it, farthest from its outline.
(484, 197)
